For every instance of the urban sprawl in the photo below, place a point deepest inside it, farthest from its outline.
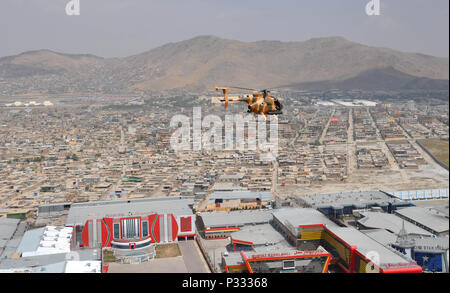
(91, 184)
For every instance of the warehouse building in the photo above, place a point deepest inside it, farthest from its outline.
(216, 225)
(431, 253)
(11, 231)
(390, 222)
(258, 247)
(227, 201)
(429, 219)
(250, 238)
(83, 261)
(359, 253)
(344, 203)
(55, 209)
(45, 241)
(350, 249)
(304, 231)
(282, 261)
(262, 240)
(289, 221)
(48, 250)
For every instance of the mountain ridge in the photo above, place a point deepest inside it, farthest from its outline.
(204, 61)
(376, 79)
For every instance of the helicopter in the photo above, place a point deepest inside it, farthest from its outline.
(259, 103)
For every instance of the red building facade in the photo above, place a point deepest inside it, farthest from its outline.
(136, 232)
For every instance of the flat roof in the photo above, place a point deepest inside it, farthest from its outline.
(232, 176)
(229, 195)
(431, 243)
(221, 187)
(31, 240)
(390, 222)
(294, 217)
(381, 235)
(261, 235)
(235, 258)
(79, 213)
(15, 230)
(45, 241)
(282, 252)
(366, 246)
(86, 266)
(7, 228)
(440, 205)
(55, 268)
(34, 263)
(428, 217)
(235, 218)
(359, 199)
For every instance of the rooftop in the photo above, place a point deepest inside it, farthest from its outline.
(44, 241)
(432, 243)
(235, 258)
(428, 217)
(11, 231)
(231, 177)
(263, 196)
(390, 222)
(7, 228)
(261, 235)
(359, 199)
(381, 236)
(235, 218)
(79, 213)
(53, 263)
(294, 217)
(366, 246)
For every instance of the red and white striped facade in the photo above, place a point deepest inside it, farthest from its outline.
(136, 231)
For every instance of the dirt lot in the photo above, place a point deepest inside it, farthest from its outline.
(168, 250)
(439, 148)
(108, 256)
(162, 265)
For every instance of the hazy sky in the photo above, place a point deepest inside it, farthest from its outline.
(116, 28)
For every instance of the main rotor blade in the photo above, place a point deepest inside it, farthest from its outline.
(243, 88)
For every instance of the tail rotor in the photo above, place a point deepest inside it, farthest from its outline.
(225, 94)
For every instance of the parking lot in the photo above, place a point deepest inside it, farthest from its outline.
(191, 261)
(193, 258)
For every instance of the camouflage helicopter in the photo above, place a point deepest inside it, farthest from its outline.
(259, 103)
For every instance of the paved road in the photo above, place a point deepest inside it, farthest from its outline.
(193, 258)
(390, 157)
(325, 130)
(351, 146)
(274, 192)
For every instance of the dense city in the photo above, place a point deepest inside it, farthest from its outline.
(354, 169)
